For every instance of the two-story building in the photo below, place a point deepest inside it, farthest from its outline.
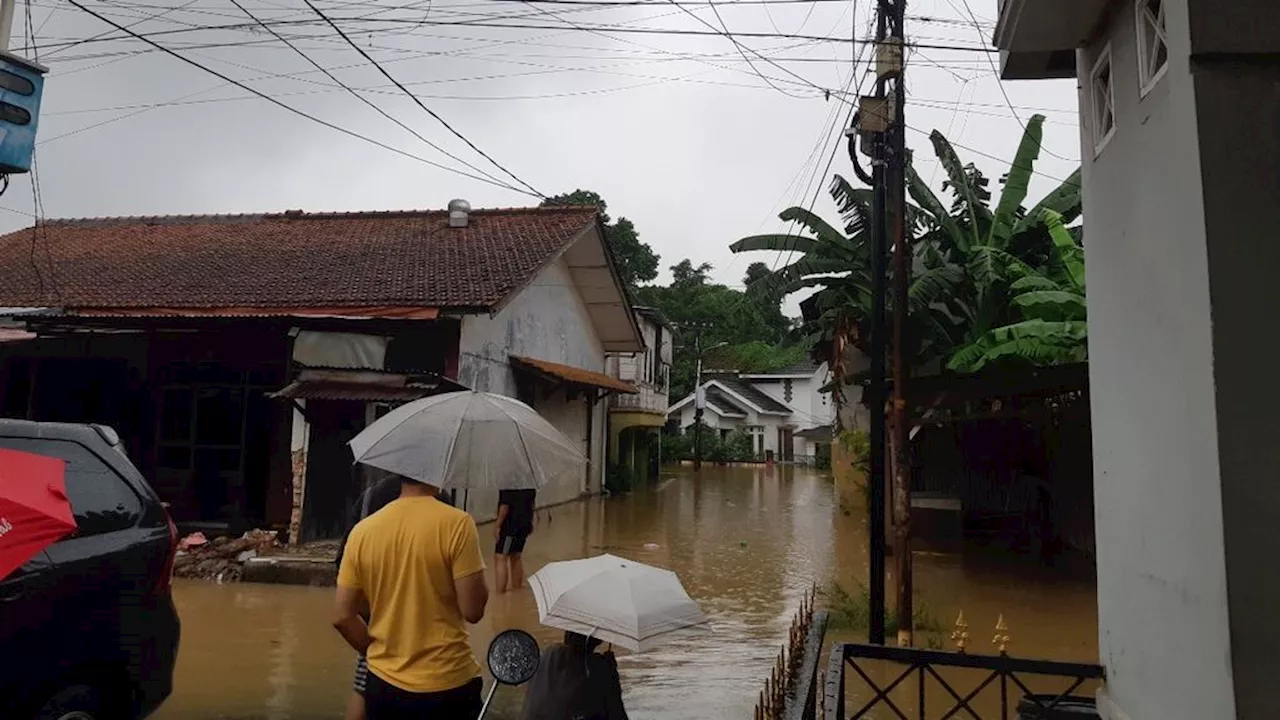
(1180, 142)
(636, 419)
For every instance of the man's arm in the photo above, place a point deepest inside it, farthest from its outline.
(467, 564)
(346, 618)
(473, 596)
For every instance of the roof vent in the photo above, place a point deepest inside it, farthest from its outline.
(459, 212)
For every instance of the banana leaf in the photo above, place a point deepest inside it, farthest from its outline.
(1017, 182)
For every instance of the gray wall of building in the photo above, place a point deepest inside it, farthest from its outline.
(1237, 99)
(1162, 579)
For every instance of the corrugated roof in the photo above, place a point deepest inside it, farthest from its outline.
(289, 260)
(364, 392)
(576, 375)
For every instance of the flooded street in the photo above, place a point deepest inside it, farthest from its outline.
(747, 542)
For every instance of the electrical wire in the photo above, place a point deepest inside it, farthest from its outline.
(528, 26)
(1005, 93)
(419, 102)
(278, 103)
(365, 100)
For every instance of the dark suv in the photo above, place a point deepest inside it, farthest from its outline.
(88, 628)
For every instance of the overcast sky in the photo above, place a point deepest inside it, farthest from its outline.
(677, 132)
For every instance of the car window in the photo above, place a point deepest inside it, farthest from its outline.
(101, 501)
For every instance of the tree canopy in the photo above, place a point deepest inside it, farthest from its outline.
(636, 261)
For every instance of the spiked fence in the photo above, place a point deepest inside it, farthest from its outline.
(790, 691)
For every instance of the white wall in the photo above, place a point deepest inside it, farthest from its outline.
(1164, 636)
(548, 321)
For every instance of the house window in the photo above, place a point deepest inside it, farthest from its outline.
(1102, 101)
(1153, 44)
(757, 438)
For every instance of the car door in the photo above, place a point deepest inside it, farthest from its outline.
(27, 630)
(103, 568)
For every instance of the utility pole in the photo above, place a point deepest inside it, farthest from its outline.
(699, 399)
(895, 179)
(871, 126)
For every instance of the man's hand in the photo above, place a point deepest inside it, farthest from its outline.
(347, 605)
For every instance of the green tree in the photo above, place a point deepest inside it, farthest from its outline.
(737, 329)
(637, 262)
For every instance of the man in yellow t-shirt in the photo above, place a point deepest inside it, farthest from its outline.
(417, 564)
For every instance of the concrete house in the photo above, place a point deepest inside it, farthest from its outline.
(785, 412)
(1180, 140)
(636, 419)
(236, 355)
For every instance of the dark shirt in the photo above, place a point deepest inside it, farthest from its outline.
(571, 685)
(520, 504)
(378, 496)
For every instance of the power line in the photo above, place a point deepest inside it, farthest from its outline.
(534, 26)
(1005, 93)
(419, 102)
(365, 100)
(276, 102)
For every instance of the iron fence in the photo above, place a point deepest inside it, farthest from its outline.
(895, 692)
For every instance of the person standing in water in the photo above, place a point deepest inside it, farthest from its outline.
(416, 565)
(573, 682)
(512, 528)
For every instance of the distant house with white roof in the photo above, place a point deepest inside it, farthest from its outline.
(784, 411)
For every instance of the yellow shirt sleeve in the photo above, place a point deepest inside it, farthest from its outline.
(349, 569)
(465, 554)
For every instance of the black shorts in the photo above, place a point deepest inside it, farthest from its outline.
(384, 701)
(510, 543)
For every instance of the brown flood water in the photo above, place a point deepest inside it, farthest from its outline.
(747, 543)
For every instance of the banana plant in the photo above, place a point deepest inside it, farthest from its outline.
(1052, 326)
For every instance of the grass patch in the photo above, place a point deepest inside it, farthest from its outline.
(852, 611)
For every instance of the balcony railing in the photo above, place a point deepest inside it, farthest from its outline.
(906, 683)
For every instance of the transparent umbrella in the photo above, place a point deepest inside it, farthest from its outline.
(469, 440)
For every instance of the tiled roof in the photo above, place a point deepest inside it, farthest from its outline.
(289, 260)
(804, 367)
(575, 375)
(751, 393)
(723, 403)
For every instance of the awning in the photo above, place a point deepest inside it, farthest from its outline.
(574, 375)
(364, 386)
(821, 432)
(8, 335)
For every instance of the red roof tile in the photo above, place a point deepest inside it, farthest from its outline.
(289, 260)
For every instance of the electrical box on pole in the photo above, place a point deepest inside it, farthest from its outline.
(21, 87)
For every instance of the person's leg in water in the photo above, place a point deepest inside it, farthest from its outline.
(355, 707)
(501, 564)
(516, 560)
(355, 703)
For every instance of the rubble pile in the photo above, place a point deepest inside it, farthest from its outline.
(222, 558)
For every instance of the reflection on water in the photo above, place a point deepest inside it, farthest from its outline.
(747, 542)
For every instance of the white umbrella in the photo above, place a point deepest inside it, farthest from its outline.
(469, 440)
(623, 602)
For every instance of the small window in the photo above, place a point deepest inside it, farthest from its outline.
(1102, 101)
(16, 83)
(1153, 44)
(101, 501)
(14, 114)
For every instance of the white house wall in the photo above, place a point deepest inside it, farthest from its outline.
(547, 320)
(1164, 635)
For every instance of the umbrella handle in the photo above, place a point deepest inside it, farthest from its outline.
(485, 708)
